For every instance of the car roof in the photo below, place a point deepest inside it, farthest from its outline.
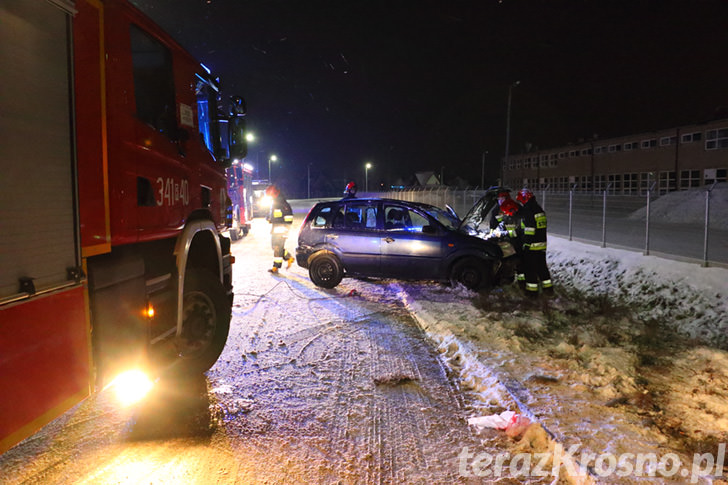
(421, 205)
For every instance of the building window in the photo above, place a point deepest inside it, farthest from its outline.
(667, 141)
(572, 153)
(712, 175)
(614, 148)
(715, 139)
(562, 155)
(651, 143)
(597, 150)
(667, 182)
(630, 146)
(630, 183)
(689, 178)
(691, 137)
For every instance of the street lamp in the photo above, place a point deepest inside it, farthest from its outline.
(482, 170)
(366, 176)
(308, 185)
(250, 137)
(272, 158)
(508, 127)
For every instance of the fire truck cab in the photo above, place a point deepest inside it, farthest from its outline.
(113, 204)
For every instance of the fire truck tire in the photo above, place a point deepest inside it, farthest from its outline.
(234, 235)
(206, 316)
(246, 229)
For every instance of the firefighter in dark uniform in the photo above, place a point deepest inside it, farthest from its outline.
(281, 219)
(533, 229)
(349, 191)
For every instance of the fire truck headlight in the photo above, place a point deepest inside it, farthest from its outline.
(266, 201)
(131, 386)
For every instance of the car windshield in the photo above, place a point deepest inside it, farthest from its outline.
(443, 217)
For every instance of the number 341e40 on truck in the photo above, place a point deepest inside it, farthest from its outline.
(113, 201)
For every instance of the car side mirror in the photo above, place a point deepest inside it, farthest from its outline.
(428, 229)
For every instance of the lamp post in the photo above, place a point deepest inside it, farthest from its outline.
(366, 176)
(308, 184)
(482, 170)
(508, 127)
(272, 158)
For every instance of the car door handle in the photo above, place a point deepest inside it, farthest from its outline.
(388, 240)
(333, 236)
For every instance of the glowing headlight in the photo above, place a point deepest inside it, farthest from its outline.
(266, 201)
(131, 386)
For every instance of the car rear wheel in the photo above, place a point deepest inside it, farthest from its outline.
(470, 272)
(325, 270)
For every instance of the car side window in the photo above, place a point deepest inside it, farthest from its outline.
(360, 216)
(339, 219)
(323, 216)
(398, 218)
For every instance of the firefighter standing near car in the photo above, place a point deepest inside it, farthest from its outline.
(349, 191)
(281, 219)
(533, 229)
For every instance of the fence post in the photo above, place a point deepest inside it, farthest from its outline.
(647, 220)
(571, 207)
(604, 216)
(707, 224)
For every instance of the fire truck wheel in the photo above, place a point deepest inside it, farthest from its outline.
(205, 321)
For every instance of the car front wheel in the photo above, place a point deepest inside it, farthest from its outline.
(325, 270)
(470, 272)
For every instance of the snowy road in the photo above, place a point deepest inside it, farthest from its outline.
(313, 386)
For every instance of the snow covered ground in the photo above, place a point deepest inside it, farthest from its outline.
(630, 357)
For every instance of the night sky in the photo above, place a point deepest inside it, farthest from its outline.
(420, 85)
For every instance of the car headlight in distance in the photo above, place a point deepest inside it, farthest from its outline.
(131, 386)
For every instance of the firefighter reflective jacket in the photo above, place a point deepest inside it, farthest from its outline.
(281, 214)
(533, 226)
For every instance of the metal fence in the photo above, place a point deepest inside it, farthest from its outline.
(686, 225)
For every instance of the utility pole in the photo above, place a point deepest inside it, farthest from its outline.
(508, 127)
(482, 170)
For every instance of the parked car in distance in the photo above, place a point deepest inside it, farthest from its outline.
(393, 239)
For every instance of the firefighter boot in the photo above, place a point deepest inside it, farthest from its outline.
(273, 270)
(289, 262)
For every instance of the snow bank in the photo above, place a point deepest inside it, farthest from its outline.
(685, 296)
(688, 207)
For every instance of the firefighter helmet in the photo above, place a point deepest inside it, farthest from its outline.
(350, 189)
(524, 195)
(509, 207)
(272, 191)
(503, 195)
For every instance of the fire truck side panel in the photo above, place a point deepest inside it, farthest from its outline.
(92, 163)
(44, 325)
(44, 369)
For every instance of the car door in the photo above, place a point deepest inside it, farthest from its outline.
(407, 250)
(354, 236)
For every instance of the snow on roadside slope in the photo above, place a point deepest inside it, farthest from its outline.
(605, 379)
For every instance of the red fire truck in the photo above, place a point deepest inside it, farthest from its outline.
(112, 202)
(240, 191)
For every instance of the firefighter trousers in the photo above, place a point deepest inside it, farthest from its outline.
(534, 270)
(280, 253)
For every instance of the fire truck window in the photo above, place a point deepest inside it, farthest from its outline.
(207, 116)
(153, 83)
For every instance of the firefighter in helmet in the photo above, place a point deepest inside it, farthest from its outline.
(281, 219)
(496, 218)
(533, 229)
(350, 190)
